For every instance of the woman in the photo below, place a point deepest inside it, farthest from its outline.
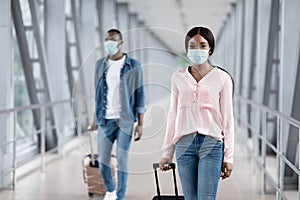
(200, 124)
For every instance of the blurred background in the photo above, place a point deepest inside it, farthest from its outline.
(47, 57)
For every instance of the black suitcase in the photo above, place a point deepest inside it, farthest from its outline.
(164, 197)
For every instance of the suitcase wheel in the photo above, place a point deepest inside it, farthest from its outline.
(91, 194)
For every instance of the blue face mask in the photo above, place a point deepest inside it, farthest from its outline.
(111, 47)
(198, 56)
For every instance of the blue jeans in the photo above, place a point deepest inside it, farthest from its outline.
(199, 160)
(107, 134)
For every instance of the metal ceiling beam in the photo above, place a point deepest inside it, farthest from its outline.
(109, 14)
(7, 93)
(77, 89)
(69, 67)
(123, 21)
(55, 43)
(37, 94)
(293, 134)
(271, 87)
(242, 48)
(272, 56)
(253, 66)
(99, 7)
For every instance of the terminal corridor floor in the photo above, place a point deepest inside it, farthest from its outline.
(63, 179)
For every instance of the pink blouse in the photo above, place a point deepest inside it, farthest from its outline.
(204, 107)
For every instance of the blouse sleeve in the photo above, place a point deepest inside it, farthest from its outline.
(226, 106)
(168, 147)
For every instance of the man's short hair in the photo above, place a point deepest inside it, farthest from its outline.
(116, 31)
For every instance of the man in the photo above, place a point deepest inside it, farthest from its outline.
(120, 101)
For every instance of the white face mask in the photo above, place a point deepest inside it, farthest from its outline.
(198, 56)
(111, 47)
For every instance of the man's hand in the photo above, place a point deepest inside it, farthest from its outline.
(93, 127)
(138, 132)
(226, 170)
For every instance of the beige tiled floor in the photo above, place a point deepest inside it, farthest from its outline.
(62, 180)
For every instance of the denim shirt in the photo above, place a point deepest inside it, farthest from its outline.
(131, 91)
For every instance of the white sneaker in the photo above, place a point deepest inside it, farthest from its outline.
(110, 195)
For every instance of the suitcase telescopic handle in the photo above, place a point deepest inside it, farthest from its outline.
(172, 166)
(89, 129)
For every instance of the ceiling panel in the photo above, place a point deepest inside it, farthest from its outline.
(178, 16)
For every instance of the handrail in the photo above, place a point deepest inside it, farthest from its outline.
(36, 106)
(273, 147)
(282, 160)
(41, 131)
(287, 118)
